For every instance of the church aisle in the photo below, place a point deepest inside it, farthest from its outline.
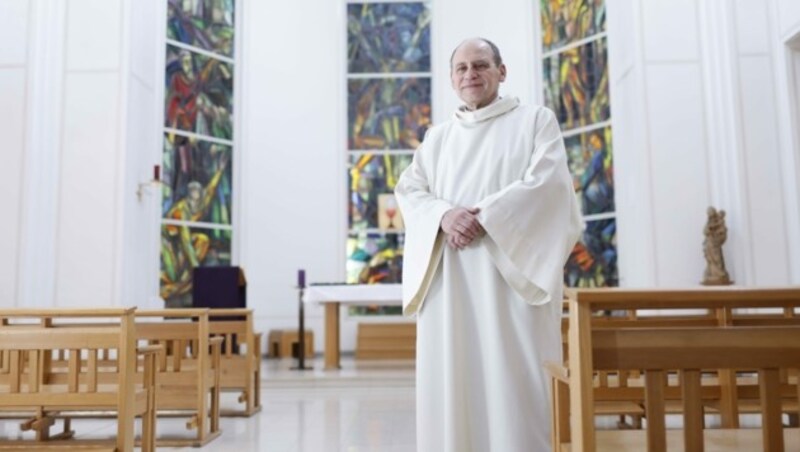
(364, 407)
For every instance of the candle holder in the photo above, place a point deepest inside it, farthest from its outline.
(301, 331)
(155, 182)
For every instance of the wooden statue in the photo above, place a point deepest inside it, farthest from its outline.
(715, 235)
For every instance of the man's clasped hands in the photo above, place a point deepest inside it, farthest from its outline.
(462, 226)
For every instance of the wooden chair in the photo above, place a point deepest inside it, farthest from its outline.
(26, 351)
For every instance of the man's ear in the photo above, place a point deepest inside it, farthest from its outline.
(502, 72)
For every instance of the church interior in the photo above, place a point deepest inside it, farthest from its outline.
(202, 248)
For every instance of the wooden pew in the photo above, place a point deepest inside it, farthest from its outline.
(188, 371)
(188, 381)
(240, 362)
(26, 353)
(577, 383)
(621, 392)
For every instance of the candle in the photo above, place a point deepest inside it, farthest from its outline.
(156, 172)
(301, 278)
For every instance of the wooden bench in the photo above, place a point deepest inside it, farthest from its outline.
(621, 393)
(240, 364)
(188, 372)
(185, 389)
(587, 357)
(26, 351)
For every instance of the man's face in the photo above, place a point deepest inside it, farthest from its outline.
(474, 75)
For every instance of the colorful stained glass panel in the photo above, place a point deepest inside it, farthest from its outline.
(207, 24)
(576, 85)
(199, 94)
(388, 113)
(591, 165)
(567, 21)
(197, 180)
(593, 261)
(370, 177)
(184, 248)
(374, 258)
(388, 37)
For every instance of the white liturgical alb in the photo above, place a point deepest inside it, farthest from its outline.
(484, 324)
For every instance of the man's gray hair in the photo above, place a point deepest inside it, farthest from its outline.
(498, 60)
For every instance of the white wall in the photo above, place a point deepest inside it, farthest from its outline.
(634, 206)
(697, 122)
(291, 156)
(40, 173)
(785, 45)
(13, 73)
(760, 140)
(143, 75)
(660, 177)
(66, 121)
(89, 222)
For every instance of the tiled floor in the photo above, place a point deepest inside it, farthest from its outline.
(365, 406)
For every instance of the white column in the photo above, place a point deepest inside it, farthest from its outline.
(633, 167)
(725, 134)
(42, 155)
(14, 19)
(785, 36)
(660, 140)
(142, 72)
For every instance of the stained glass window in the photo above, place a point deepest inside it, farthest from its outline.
(567, 21)
(372, 181)
(389, 111)
(388, 37)
(593, 261)
(199, 94)
(184, 248)
(374, 257)
(576, 85)
(575, 76)
(203, 24)
(197, 158)
(590, 162)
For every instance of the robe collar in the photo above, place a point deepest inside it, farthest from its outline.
(500, 106)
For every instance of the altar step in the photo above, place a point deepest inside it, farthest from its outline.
(386, 341)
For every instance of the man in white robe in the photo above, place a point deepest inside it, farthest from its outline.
(491, 218)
